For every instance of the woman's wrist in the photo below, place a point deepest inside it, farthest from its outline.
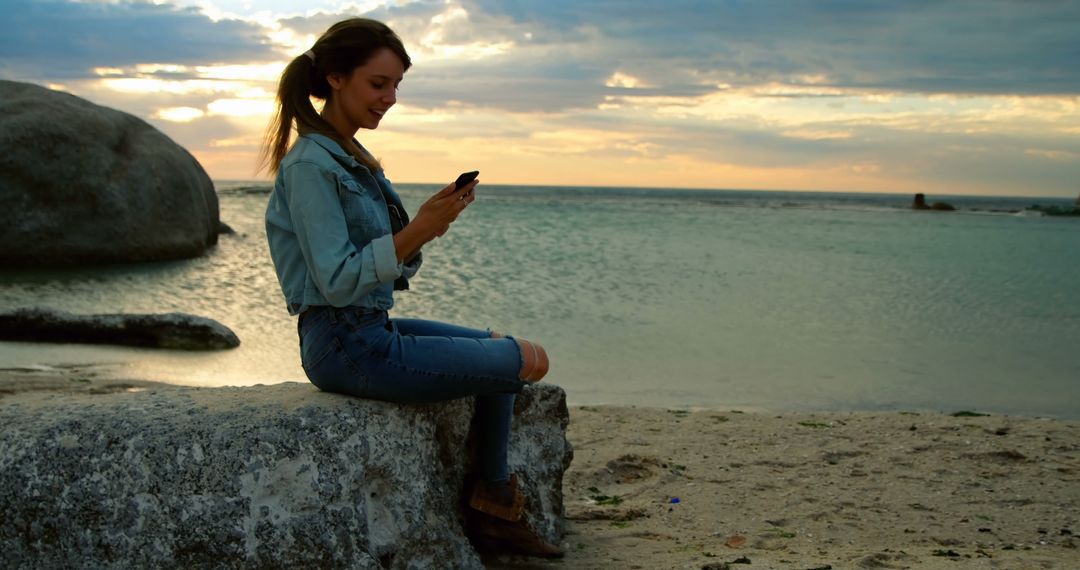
(424, 230)
(411, 238)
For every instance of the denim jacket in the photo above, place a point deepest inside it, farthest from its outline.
(329, 231)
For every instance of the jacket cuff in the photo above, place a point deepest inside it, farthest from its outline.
(409, 268)
(387, 268)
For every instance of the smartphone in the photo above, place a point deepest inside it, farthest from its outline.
(465, 178)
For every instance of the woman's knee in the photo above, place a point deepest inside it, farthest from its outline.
(543, 365)
(534, 360)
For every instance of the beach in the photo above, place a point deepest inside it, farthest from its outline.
(799, 279)
(705, 488)
(656, 488)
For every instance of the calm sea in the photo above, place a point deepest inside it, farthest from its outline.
(748, 300)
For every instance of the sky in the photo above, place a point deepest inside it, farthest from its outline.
(935, 96)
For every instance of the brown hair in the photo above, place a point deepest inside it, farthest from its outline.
(344, 47)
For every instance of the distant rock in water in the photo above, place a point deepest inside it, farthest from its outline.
(83, 183)
(170, 330)
(920, 204)
(1054, 210)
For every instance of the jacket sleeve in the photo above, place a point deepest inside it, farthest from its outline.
(342, 273)
(410, 267)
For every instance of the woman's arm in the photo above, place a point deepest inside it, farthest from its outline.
(340, 271)
(410, 239)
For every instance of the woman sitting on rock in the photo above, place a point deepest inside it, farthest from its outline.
(342, 244)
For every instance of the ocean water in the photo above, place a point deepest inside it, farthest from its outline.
(740, 300)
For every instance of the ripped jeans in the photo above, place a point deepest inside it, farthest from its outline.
(363, 352)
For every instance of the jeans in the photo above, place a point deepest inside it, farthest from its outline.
(363, 352)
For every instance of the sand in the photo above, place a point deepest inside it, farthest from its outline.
(709, 489)
(653, 488)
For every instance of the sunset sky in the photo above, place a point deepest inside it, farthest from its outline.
(942, 97)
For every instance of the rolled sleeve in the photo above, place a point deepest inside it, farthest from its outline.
(384, 255)
(410, 268)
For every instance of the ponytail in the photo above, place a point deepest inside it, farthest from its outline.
(344, 47)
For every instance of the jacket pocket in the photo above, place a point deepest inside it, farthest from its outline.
(361, 206)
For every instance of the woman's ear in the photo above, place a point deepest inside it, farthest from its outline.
(335, 80)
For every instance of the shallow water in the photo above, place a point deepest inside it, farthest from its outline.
(754, 300)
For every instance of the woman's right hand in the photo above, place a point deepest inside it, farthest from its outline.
(444, 207)
(433, 219)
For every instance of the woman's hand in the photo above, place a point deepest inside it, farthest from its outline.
(443, 208)
(433, 219)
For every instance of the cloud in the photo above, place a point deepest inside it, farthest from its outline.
(953, 46)
(975, 92)
(562, 55)
(59, 40)
(1053, 154)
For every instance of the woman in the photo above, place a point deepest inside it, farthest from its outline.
(342, 243)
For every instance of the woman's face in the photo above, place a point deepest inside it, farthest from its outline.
(365, 95)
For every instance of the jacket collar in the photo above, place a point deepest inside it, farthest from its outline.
(335, 149)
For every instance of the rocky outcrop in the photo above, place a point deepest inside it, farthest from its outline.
(83, 183)
(169, 330)
(1054, 210)
(919, 203)
(279, 476)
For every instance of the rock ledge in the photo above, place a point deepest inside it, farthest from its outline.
(264, 477)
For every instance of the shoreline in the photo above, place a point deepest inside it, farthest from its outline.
(105, 376)
(708, 488)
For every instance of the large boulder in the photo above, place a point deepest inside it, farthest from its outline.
(279, 476)
(166, 330)
(83, 183)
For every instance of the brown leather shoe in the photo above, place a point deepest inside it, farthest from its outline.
(494, 518)
(515, 536)
(501, 501)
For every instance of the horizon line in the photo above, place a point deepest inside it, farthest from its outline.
(695, 189)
